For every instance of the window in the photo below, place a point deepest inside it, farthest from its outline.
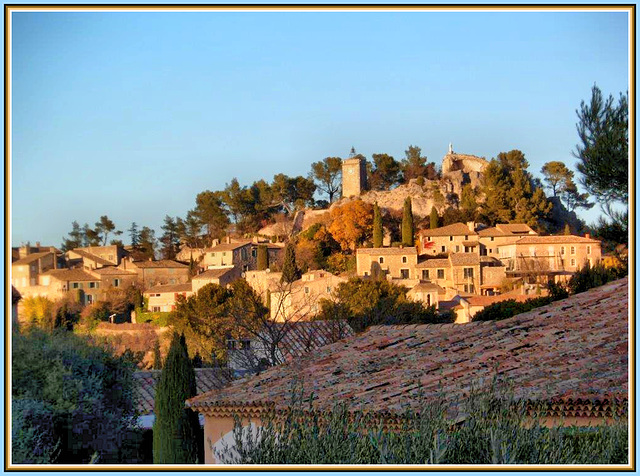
(404, 273)
(588, 249)
(451, 238)
(491, 239)
(468, 288)
(116, 283)
(425, 274)
(328, 289)
(93, 285)
(404, 259)
(254, 252)
(366, 273)
(213, 255)
(381, 260)
(441, 274)
(75, 285)
(468, 273)
(573, 261)
(428, 299)
(457, 248)
(428, 238)
(231, 344)
(490, 250)
(306, 289)
(89, 299)
(155, 308)
(444, 249)
(466, 237)
(562, 250)
(245, 344)
(224, 253)
(573, 250)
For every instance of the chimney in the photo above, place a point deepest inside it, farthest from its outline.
(587, 236)
(37, 244)
(228, 239)
(471, 225)
(215, 242)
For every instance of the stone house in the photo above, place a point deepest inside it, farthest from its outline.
(229, 254)
(455, 238)
(162, 298)
(502, 234)
(152, 273)
(25, 271)
(582, 380)
(300, 300)
(56, 283)
(427, 293)
(219, 276)
(112, 254)
(79, 258)
(114, 277)
(263, 282)
(551, 257)
(398, 263)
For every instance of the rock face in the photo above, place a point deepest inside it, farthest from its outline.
(461, 169)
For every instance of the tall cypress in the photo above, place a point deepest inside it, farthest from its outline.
(290, 271)
(377, 226)
(407, 224)
(176, 430)
(157, 356)
(433, 218)
(263, 258)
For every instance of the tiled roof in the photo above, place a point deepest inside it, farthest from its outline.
(30, 258)
(304, 336)
(456, 229)
(387, 251)
(227, 246)
(461, 259)
(146, 381)
(576, 348)
(113, 271)
(434, 263)
(554, 239)
(169, 288)
(92, 257)
(506, 229)
(427, 287)
(214, 273)
(71, 275)
(163, 263)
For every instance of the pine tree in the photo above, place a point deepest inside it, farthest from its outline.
(407, 224)
(176, 431)
(262, 258)
(433, 218)
(377, 226)
(290, 271)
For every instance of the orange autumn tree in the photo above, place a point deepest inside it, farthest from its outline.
(352, 224)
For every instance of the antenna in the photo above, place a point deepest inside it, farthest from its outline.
(353, 152)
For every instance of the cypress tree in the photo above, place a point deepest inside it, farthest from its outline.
(176, 430)
(157, 356)
(263, 258)
(433, 218)
(567, 229)
(290, 271)
(407, 224)
(377, 226)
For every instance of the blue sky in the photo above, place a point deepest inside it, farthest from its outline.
(132, 114)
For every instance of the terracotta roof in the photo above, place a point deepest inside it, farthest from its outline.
(113, 271)
(514, 228)
(213, 273)
(576, 348)
(559, 239)
(490, 260)
(227, 246)
(92, 257)
(304, 336)
(456, 229)
(434, 263)
(428, 287)
(31, 258)
(387, 251)
(169, 288)
(71, 275)
(146, 381)
(461, 259)
(470, 243)
(163, 263)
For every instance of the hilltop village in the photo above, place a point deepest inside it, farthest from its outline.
(392, 269)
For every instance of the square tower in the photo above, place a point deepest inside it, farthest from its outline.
(354, 176)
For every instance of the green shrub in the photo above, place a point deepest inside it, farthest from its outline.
(588, 277)
(490, 429)
(71, 399)
(509, 308)
(159, 319)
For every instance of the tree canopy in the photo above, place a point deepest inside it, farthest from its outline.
(327, 174)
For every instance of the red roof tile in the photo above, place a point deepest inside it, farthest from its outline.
(456, 229)
(576, 348)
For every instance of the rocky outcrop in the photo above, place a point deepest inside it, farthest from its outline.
(461, 169)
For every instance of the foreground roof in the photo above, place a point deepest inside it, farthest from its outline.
(304, 336)
(576, 348)
(146, 381)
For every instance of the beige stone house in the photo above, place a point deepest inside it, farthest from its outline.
(79, 258)
(152, 273)
(219, 276)
(455, 238)
(263, 282)
(300, 300)
(551, 257)
(229, 254)
(26, 270)
(427, 293)
(162, 298)
(115, 277)
(387, 370)
(398, 263)
(56, 283)
(502, 234)
(113, 254)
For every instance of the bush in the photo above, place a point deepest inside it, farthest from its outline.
(158, 319)
(511, 307)
(491, 429)
(588, 277)
(71, 399)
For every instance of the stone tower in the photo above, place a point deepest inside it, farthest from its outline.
(354, 175)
